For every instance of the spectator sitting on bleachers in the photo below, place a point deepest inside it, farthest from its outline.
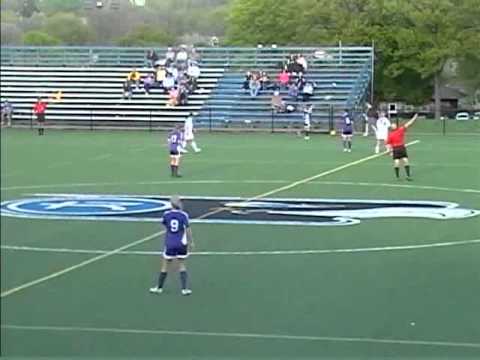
(152, 57)
(293, 91)
(246, 81)
(168, 82)
(277, 103)
(173, 97)
(172, 70)
(254, 85)
(182, 95)
(182, 57)
(160, 74)
(127, 89)
(308, 90)
(193, 72)
(134, 77)
(148, 83)
(301, 81)
(265, 81)
(302, 61)
(169, 56)
(7, 112)
(290, 62)
(284, 78)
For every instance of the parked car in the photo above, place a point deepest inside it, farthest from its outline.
(476, 116)
(462, 116)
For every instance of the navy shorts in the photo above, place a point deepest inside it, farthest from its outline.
(399, 152)
(174, 152)
(347, 132)
(177, 252)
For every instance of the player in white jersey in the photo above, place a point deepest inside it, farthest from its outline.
(307, 119)
(381, 131)
(189, 137)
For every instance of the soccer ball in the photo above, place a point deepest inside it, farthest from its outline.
(332, 132)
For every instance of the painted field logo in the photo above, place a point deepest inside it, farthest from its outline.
(82, 206)
(315, 212)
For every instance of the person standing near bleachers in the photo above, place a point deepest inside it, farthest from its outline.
(7, 112)
(39, 110)
(307, 120)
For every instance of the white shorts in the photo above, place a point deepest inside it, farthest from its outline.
(381, 135)
(189, 136)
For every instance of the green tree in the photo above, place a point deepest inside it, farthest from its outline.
(69, 28)
(254, 22)
(146, 35)
(39, 38)
(27, 8)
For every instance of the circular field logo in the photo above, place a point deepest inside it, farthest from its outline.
(78, 206)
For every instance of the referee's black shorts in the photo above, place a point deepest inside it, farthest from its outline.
(41, 117)
(400, 152)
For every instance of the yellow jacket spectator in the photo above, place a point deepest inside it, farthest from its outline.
(134, 77)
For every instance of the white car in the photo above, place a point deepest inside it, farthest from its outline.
(462, 116)
(476, 116)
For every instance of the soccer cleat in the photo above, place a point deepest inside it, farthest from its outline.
(307, 137)
(409, 178)
(198, 150)
(156, 290)
(345, 150)
(349, 150)
(186, 292)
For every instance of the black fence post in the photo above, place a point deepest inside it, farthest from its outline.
(91, 120)
(31, 120)
(209, 119)
(150, 121)
(273, 121)
(444, 125)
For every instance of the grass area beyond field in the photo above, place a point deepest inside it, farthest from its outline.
(259, 290)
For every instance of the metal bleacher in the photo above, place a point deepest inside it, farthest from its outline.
(91, 83)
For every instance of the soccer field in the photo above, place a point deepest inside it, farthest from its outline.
(385, 287)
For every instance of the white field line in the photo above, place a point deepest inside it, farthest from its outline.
(219, 182)
(254, 336)
(404, 186)
(59, 164)
(253, 253)
(101, 157)
(156, 234)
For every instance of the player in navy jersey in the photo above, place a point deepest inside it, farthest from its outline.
(347, 131)
(178, 239)
(174, 145)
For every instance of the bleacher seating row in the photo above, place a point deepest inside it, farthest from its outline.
(94, 96)
(91, 82)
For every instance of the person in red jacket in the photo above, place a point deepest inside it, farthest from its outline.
(39, 110)
(396, 144)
